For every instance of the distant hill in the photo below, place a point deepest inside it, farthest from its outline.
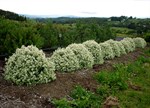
(48, 16)
(11, 15)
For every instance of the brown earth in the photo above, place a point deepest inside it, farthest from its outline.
(13, 96)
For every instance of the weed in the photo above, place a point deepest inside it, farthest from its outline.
(114, 80)
(147, 52)
(81, 98)
(103, 91)
(62, 103)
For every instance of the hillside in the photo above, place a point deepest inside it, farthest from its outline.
(11, 15)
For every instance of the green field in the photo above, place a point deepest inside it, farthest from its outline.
(123, 32)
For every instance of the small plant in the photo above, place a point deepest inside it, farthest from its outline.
(80, 98)
(107, 51)
(134, 69)
(115, 47)
(147, 52)
(139, 42)
(28, 65)
(62, 103)
(84, 98)
(96, 51)
(103, 90)
(114, 80)
(143, 59)
(84, 57)
(65, 60)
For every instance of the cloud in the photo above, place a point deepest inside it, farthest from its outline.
(142, 0)
(96, 8)
(90, 13)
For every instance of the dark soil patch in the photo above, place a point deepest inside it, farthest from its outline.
(12, 96)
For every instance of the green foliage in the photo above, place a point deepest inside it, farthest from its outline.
(137, 68)
(84, 98)
(96, 51)
(114, 80)
(84, 57)
(139, 42)
(107, 51)
(147, 37)
(147, 52)
(49, 33)
(92, 31)
(130, 26)
(142, 59)
(115, 47)
(61, 35)
(139, 76)
(123, 31)
(62, 103)
(65, 60)
(80, 98)
(28, 65)
(14, 34)
(104, 91)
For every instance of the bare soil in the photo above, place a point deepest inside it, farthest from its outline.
(13, 96)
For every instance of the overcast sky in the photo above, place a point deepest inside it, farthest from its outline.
(85, 8)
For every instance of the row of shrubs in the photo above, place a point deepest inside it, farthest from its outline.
(89, 53)
(29, 65)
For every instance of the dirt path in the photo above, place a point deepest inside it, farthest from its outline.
(12, 96)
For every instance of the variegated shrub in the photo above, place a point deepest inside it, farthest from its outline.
(121, 47)
(131, 41)
(127, 45)
(115, 47)
(107, 50)
(65, 60)
(84, 57)
(96, 51)
(28, 65)
(139, 42)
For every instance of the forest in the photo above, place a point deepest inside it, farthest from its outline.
(51, 33)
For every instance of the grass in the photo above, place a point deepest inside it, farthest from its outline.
(122, 29)
(140, 78)
(79, 98)
(123, 32)
(130, 83)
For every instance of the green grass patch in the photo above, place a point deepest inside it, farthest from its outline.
(123, 32)
(147, 52)
(79, 98)
(139, 97)
(113, 80)
(130, 83)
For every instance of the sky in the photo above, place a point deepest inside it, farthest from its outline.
(82, 8)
